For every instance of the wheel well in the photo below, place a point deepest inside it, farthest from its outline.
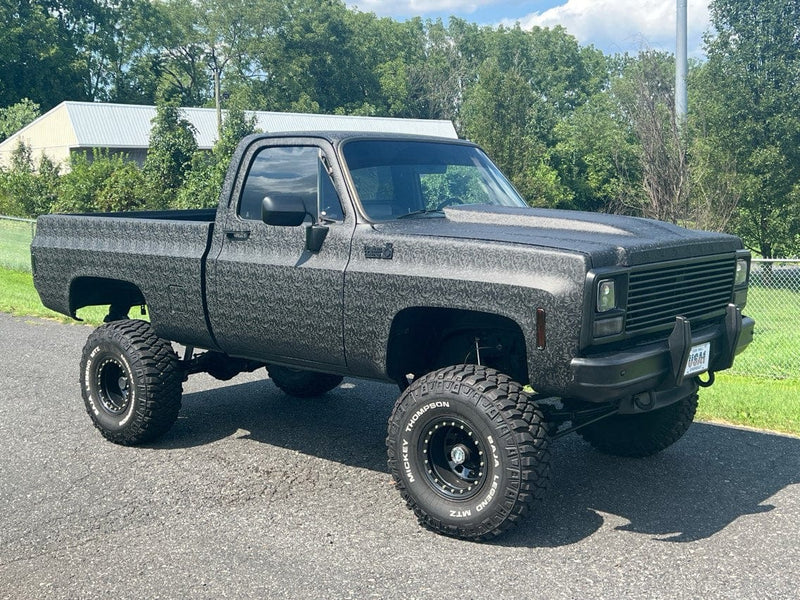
(99, 291)
(424, 338)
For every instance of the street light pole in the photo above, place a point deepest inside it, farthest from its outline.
(681, 62)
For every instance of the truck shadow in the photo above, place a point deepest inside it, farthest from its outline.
(691, 491)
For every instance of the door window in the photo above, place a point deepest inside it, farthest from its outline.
(290, 171)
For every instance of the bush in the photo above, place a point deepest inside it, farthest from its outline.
(102, 183)
(203, 182)
(26, 191)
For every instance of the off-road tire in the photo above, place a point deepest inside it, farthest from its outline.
(461, 454)
(131, 382)
(642, 434)
(302, 384)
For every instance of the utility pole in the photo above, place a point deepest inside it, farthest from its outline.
(217, 100)
(681, 63)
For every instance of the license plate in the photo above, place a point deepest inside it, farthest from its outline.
(698, 359)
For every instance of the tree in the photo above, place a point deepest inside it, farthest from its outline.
(529, 83)
(598, 156)
(38, 59)
(647, 96)
(15, 117)
(169, 158)
(501, 113)
(752, 94)
(203, 183)
(102, 183)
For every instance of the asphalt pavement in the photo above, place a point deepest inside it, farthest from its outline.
(253, 494)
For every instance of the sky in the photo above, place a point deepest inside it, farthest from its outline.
(610, 25)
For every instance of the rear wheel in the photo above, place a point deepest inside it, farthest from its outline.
(462, 455)
(642, 434)
(302, 384)
(130, 381)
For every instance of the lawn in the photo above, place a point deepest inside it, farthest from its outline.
(775, 351)
(15, 243)
(772, 404)
(18, 297)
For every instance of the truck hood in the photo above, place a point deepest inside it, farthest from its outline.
(609, 240)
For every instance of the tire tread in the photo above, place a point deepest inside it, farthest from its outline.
(158, 409)
(526, 424)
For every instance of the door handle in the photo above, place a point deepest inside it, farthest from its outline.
(237, 236)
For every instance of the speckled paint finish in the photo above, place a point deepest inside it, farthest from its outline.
(508, 280)
(163, 258)
(267, 297)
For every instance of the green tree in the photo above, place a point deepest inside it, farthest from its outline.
(203, 183)
(751, 96)
(169, 158)
(529, 83)
(15, 117)
(38, 57)
(598, 155)
(501, 112)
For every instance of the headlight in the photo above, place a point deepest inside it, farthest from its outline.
(741, 272)
(606, 296)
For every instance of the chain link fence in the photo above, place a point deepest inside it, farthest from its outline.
(15, 243)
(773, 301)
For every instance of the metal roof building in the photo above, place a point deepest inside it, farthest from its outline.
(125, 128)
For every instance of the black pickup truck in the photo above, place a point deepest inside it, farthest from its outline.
(407, 259)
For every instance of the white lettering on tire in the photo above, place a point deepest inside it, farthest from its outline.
(415, 417)
(485, 502)
(407, 462)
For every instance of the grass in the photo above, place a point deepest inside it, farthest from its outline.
(775, 351)
(18, 297)
(772, 404)
(15, 243)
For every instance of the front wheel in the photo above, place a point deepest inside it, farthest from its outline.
(130, 381)
(642, 434)
(462, 455)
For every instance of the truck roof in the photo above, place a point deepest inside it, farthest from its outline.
(337, 137)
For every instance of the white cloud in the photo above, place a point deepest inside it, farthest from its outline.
(420, 7)
(623, 25)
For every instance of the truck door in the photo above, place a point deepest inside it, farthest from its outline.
(269, 297)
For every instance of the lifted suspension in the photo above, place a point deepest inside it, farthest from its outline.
(556, 412)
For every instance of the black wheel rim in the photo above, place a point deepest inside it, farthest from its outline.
(454, 457)
(113, 386)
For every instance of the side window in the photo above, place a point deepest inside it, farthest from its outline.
(289, 171)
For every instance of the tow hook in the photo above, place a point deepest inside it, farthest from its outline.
(708, 383)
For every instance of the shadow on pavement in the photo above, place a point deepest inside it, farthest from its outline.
(710, 478)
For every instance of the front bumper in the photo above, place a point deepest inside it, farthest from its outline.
(658, 366)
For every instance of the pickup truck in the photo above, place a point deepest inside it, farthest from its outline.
(407, 259)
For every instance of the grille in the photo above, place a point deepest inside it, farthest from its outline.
(698, 290)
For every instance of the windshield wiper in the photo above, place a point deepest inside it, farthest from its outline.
(424, 211)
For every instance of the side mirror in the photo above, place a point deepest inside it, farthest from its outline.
(286, 211)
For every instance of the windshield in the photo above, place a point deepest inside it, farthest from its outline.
(394, 178)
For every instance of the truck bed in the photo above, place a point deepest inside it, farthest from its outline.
(158, 252)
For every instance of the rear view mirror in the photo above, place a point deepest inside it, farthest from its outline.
(286, 211)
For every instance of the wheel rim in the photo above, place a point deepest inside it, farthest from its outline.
(454, 458)
(113, 386)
